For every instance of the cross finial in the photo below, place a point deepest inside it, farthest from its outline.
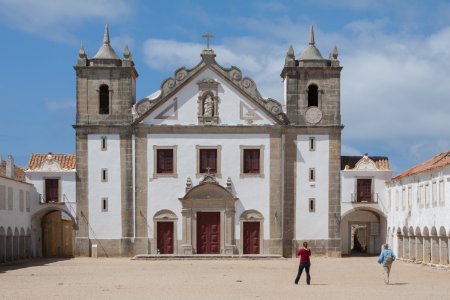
(209, 169)
(207, 36)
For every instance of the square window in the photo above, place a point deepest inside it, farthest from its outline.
(208, 161)
(164, 161)
(251, 161)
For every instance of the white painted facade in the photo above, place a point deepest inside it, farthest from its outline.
(371, 214)
(419, 215)
(104, 223)
(312, 224)
(253, 191)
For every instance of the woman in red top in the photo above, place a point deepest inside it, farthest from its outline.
(305, 263)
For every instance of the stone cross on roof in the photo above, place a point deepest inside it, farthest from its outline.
(207, 36)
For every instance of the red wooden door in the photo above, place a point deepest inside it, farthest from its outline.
(164, 237)
(208, 232)
(251, 237)
(51, 190)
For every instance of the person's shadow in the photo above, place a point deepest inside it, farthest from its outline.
(398, 283)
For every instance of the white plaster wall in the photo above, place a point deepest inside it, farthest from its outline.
(228, 106)
(106, 225)
(67, 181)
(436, 215)
(312, 225)
(164, 192)
(15, 218)
(348, 187)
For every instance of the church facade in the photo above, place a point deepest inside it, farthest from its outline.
(206, 165)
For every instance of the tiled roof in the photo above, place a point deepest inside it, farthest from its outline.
(19, 174)
(66, 161)
(439, 161)
(351, 161)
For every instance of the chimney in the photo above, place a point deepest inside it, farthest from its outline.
(10, 167)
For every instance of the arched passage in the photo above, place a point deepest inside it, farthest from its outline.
(57, 234)
(16, 244)
(9, 245)
(412, 244)
(22, 243)
(363, 231)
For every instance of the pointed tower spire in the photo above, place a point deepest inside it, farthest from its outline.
(106, 35)
(311, 36)
(335, 53)
(290, 58)
(81, 52)
(127, 53)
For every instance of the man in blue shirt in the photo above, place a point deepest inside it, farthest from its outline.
(387, 256)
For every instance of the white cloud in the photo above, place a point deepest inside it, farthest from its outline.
(57, 19)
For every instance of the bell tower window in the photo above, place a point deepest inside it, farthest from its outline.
(313, 96)
(104, 100)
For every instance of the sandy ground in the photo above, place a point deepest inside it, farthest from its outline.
(121, 278)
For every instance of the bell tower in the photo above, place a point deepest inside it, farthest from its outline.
(312, 150)
(312, 87)
(105, 93)
(106, 86)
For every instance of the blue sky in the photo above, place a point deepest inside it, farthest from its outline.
(396, 57)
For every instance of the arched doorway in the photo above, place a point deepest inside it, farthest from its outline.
(363, 231)
(251, 232)
(57, 234)
(9, 245)
(165, 232)
(208, 212)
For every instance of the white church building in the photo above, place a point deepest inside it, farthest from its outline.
(206, 165)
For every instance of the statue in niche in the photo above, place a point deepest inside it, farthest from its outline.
(208, 106)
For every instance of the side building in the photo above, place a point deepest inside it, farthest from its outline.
(419, 212)
(16, 200)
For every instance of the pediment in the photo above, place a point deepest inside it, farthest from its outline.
(206, 81)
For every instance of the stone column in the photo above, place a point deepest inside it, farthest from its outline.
(276, 207)
(229, 232)
(426, 250)
(434, 250)
(405, 247)
(419, 249)
(400, 246)
(412, 248)
(443, 253)
(186, 246)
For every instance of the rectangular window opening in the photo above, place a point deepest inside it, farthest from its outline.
(104, 175)
(104, 143)
(104, 204)
(312, 144)
(208, 161)
(312, 174)
(251, 161)
(312, 204)
(364, 190)
(51, 190)
(165, 162)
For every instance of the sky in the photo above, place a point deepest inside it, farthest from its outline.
(395, 82)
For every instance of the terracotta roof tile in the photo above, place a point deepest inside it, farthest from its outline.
(19, 174)
(351, 161)
(66, 161)
(439, 161)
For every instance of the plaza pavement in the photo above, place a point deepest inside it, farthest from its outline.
(122, 278)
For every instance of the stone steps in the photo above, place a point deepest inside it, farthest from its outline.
(206, 257)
